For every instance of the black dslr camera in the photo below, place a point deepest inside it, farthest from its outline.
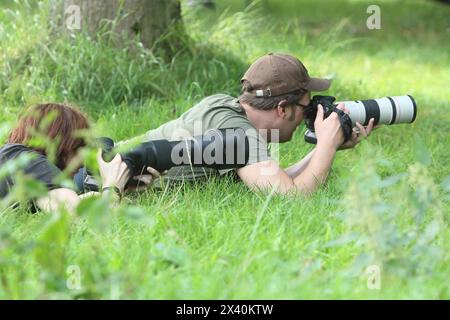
(218, 149)
(328, 105)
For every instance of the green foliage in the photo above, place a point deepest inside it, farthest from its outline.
(50, 248)
(398, 220)
(386, 203)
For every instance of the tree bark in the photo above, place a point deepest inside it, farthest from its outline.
(146, 19)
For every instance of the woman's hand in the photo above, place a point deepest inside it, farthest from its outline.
(114, 173)
(358, 136)
(143, 181)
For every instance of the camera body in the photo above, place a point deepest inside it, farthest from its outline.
(329, 107)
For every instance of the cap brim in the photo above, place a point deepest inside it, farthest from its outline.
(318, 84)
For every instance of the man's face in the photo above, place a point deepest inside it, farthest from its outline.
(294, 115)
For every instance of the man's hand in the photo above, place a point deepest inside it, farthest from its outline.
(328, 131)
(359, 135)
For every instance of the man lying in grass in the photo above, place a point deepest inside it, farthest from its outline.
(49, 135)
(275, 90)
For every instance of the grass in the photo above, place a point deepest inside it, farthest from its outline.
(386, 202)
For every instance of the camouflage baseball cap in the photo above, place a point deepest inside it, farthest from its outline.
(276, 73)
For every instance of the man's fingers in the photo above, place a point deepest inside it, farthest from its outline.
(319, 116)
(370, 126)
(378, 126)
(362, 130)
(341, 106)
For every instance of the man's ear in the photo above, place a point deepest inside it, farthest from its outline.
(281, 109)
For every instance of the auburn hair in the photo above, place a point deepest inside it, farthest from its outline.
(58, 122)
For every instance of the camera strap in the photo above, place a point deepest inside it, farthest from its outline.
(346, 123)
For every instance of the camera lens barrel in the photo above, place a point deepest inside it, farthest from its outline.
(218, 149)
(387, 110)
(155, 154)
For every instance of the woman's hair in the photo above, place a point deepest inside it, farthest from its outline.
(57, 122)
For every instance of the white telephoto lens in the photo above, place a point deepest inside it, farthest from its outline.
(387, 110)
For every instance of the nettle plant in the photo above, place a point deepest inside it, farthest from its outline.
(396, 220)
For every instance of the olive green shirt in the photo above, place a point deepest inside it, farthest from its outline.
(219, 111)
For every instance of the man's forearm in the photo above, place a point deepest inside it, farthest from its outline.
(296, 169)
(317, 169)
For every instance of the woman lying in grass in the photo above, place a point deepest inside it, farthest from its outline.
(50, 133)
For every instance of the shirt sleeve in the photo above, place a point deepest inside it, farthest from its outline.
(41, 169)
(258, 148)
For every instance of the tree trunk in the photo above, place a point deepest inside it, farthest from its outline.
(146, 19)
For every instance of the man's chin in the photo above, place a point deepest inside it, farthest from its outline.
(283, 138)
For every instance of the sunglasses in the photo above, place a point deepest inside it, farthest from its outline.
(302, 105)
